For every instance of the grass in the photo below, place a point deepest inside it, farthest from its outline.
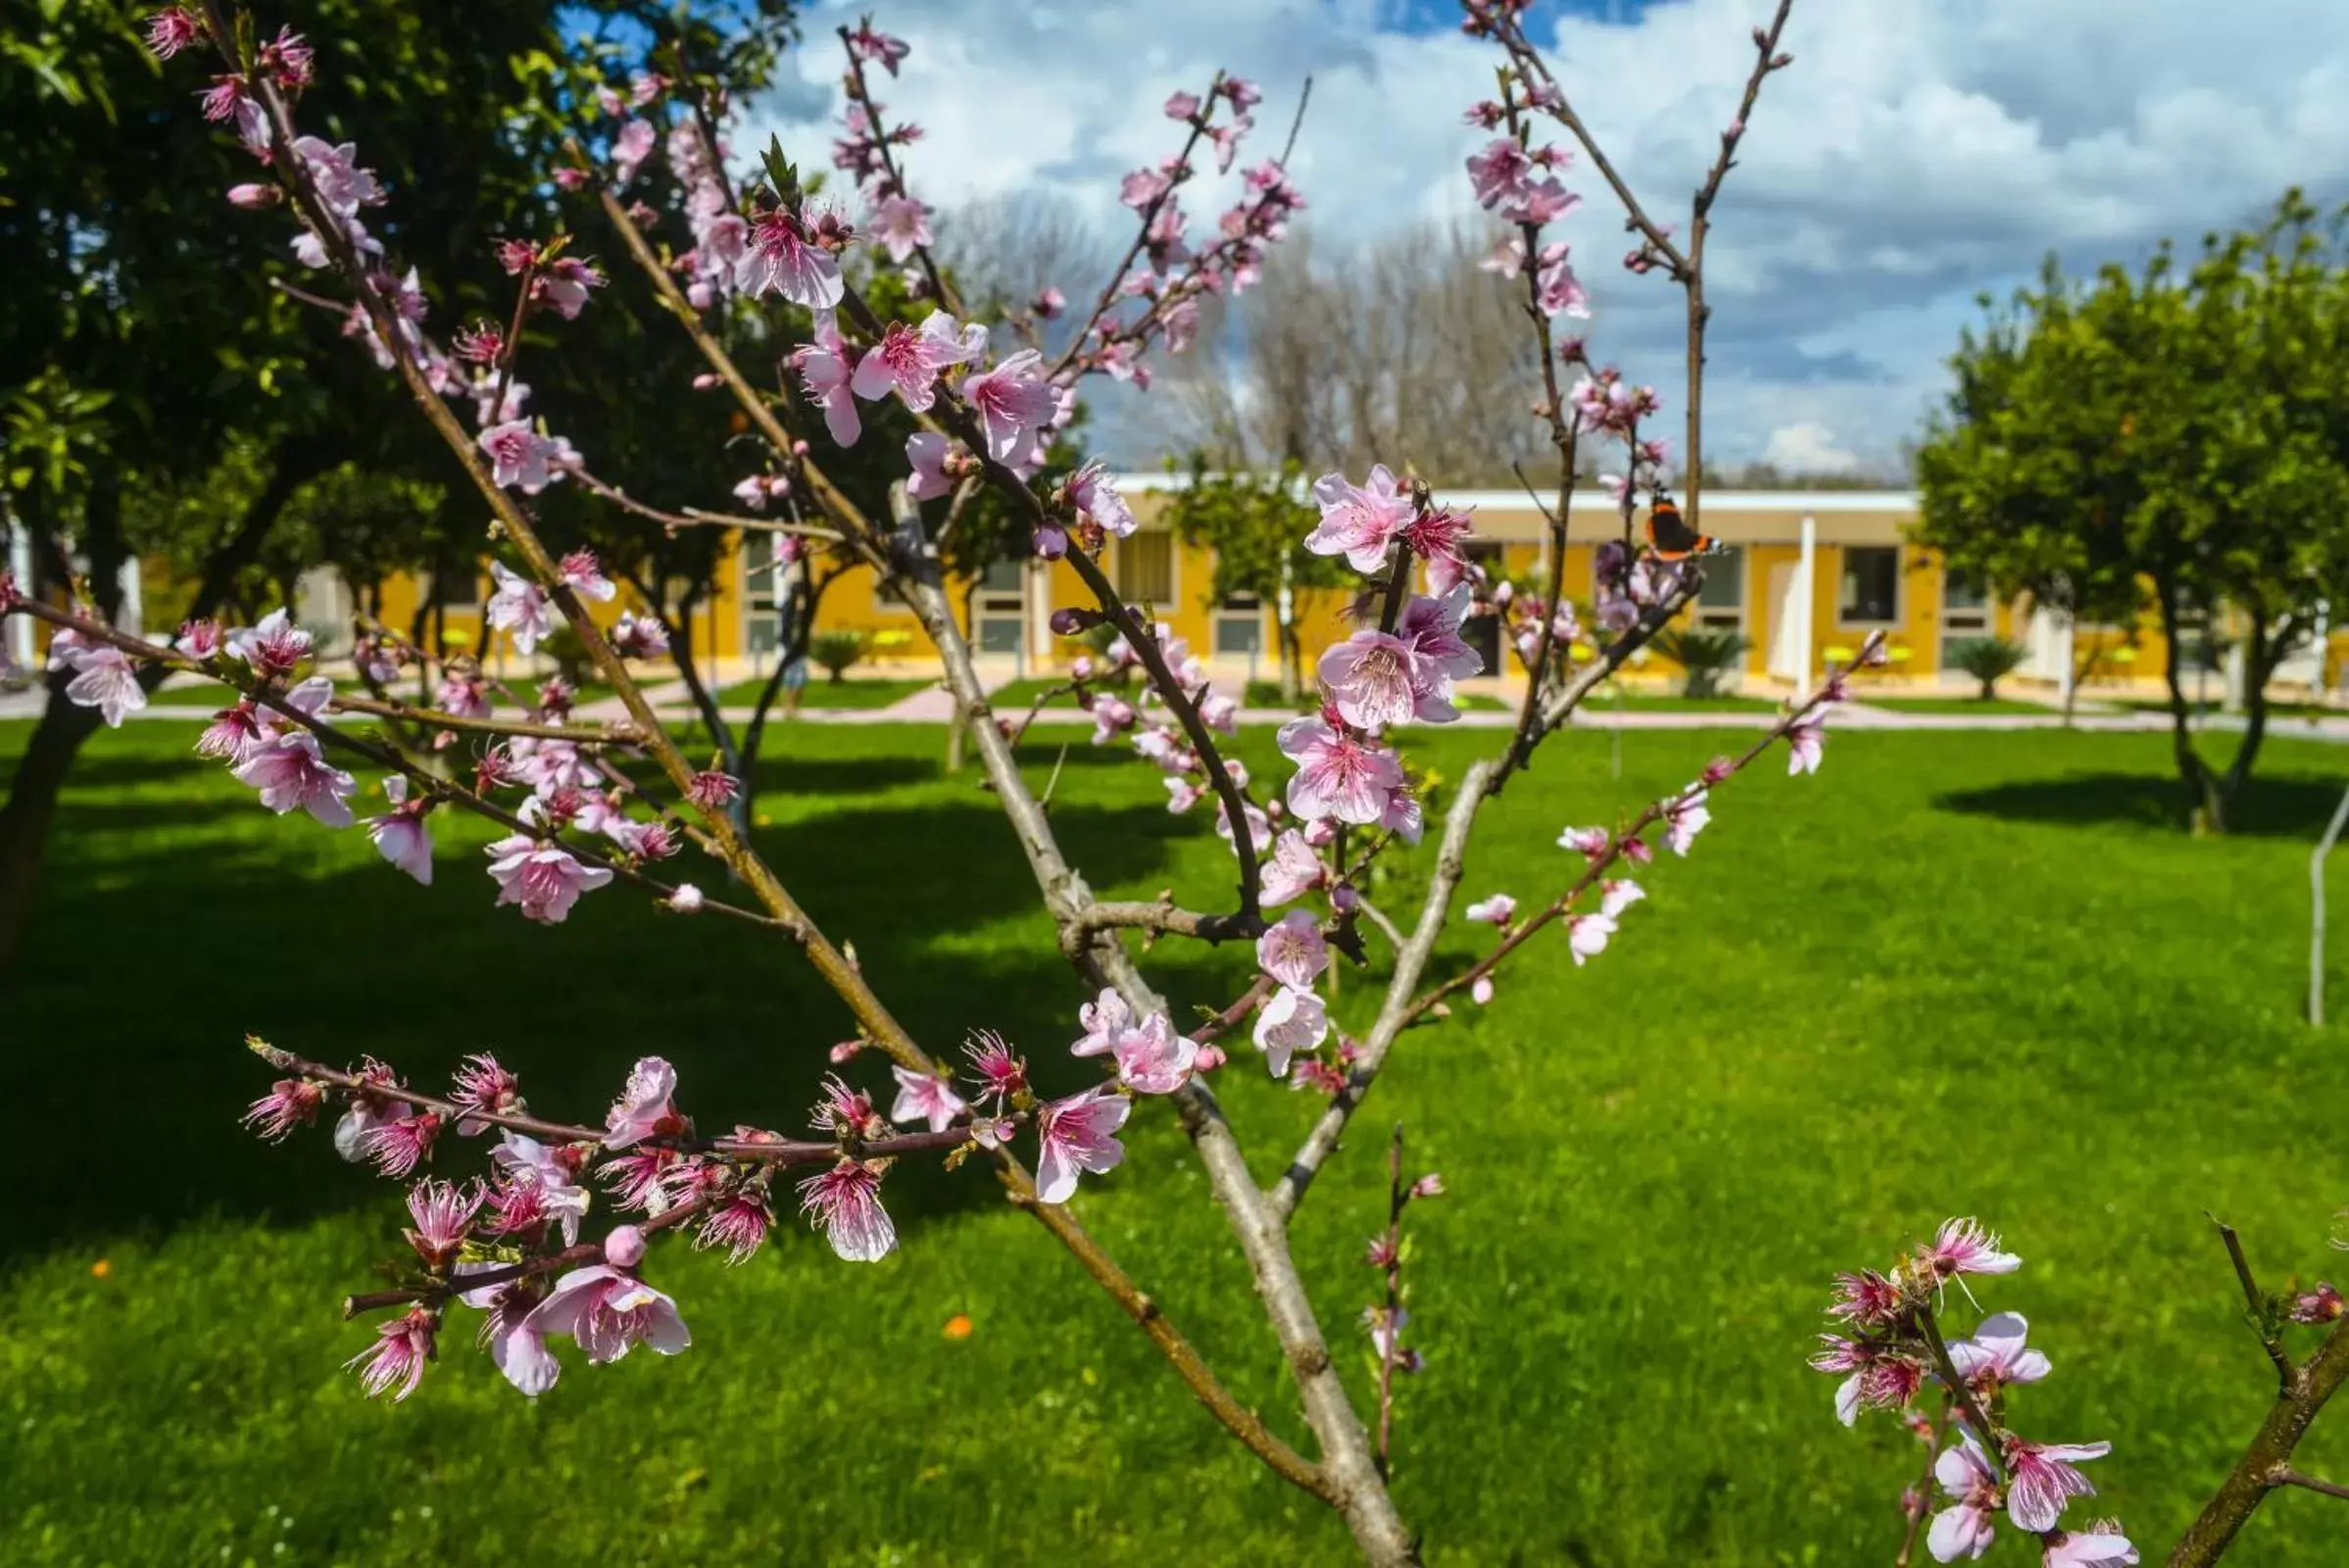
(1014, 697)
(822, 693)
(1981, 975)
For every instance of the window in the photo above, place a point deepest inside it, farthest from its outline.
(1146, 568)
(1870, 585)
(1240, 624)
(1720, 602)
(457, 590)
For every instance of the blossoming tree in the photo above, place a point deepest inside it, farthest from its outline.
(521, 1240)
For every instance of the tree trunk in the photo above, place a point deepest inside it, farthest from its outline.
(58, 738)
(2206, 801)
(2261, 656)
(957, 732)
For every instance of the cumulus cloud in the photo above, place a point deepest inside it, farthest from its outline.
(1920, 152)
(1807, 448)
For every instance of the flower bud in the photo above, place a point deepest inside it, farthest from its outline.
(624, 1248)
(254, 198)
(1074, 622)
(687, 900)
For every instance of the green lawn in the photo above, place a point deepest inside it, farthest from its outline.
(1950, 974)
(1015, 696)
(822, 693)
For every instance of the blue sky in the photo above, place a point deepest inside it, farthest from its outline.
(1919, 153)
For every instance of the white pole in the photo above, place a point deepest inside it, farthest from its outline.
(2067, 657)
(1806, 575)
(2315, 923)
(134, 605)
(20, 566)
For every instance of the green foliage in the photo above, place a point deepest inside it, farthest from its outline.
(1704, 656)
(836, 651)
(1988, 660)
(1641, 1226)
(2187, 430)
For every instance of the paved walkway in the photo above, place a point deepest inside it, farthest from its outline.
(932, 704)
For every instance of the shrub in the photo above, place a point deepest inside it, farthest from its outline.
(1704, 656)
(837, 651)
(1988, 660)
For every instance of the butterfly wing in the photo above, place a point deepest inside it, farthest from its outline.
(1670, 537)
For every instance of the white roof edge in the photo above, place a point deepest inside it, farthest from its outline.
(1593, 499)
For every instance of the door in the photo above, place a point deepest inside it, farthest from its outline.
(1965, 618)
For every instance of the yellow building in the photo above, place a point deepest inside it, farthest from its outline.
(1807, 576)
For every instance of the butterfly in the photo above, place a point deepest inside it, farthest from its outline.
(1670, 537)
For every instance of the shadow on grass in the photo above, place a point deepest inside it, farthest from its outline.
(346, 959)
(2268, 807)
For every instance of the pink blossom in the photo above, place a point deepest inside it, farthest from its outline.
(1179, 106)
(483, 1086)
(565, 285)
(1291, 870)
(291, 772)
(1500, 172)
(781, 259)
(2101, 1545)
(518, 606)
(1615, 896)
(878, 47)
(908, 359)
(1291, 949)
(710, 790)
(1014, 402)
(399, 1146)
(272, 645)
(1806, 743)
(1866, 1298)
(336, 175)
(630, 148)
(228, 100)
(444, 1215)
(1048, 303)
(739, 1225)
(2041, 1480)
(1685, 818)
(826, 367)
(1592, 843)
(1368, 678)
(1078, 1134)
(397, 1358)
(400, 836)
(844, 1203)
(903, 226)
(290, 1102)
(1094, 495)
(531, 1168)
(1145, 186)
(928, 454)
(608, 1312)
(1112, 716)
(1997, 1356)
(1430, 631)
(543, 877)
(1963, 1246)
(644, 1108)
(518, 456)
(1558, 291)
(926, 1096)
(1964, 1528)
(1403, 816)
(1291, 1020)
(583, 574)
(638, 637)
(1337, 775)
(1358, 522)
(1587, 936)
(173, 29)
(687, 900)
(1499, 909)
(106, 679)
(624, 1248)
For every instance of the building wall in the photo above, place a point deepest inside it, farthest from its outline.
(1765, 528)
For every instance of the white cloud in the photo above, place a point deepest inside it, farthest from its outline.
(1918, 152)
(1807, 448)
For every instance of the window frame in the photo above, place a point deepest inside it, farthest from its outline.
(1726, 618)
(1174, 569)
(1899, 606)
